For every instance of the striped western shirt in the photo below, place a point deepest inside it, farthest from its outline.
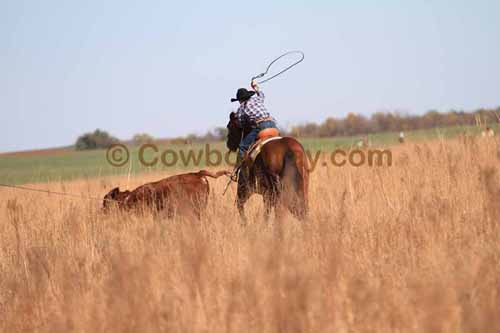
(252, 111)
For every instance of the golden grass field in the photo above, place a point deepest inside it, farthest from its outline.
(410, 248)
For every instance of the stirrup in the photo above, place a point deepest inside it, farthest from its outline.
(234, 176)
(235, 173)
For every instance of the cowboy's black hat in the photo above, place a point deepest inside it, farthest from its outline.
(243, 95)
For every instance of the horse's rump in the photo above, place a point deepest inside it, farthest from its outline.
(286, 160)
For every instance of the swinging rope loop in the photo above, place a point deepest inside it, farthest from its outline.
(284, 70)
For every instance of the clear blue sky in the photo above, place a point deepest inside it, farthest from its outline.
(170, 68)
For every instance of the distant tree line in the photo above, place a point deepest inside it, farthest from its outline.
(216, 134)
(95, 140)
(100, 139)
(354, 124)
(142, 138)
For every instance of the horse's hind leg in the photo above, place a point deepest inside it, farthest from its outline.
(269, 202)
(277, 197)
(299, 209)
(271, 195)
(302, 205)
(268, 205)
(296, 203)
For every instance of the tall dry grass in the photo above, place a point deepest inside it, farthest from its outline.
(413, 247)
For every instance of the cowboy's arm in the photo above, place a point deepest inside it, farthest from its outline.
(256, 88)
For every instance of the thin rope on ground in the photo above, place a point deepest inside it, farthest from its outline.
(49, 192)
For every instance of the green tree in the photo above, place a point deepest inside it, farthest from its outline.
(142, 138)
(96, 140)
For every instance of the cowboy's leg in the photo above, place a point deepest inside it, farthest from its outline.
(245, 144)
(243, 191)
(247, 141)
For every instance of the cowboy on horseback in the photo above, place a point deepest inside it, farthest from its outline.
(278, 168)
(251, 114)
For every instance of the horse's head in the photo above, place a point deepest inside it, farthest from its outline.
(234, 133)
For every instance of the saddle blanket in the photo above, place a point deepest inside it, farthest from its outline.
(257, 147)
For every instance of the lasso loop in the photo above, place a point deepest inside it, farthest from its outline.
(284, 70)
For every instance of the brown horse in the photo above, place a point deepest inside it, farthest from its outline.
(279, 173)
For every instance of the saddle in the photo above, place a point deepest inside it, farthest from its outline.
(266, 135)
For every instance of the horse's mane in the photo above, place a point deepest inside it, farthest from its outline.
(234, 132)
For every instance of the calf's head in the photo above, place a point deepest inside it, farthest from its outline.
(114, 197)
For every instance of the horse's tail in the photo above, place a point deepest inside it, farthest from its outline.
(294, 179)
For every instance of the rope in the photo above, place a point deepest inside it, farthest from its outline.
(284, 70)
(49, 192)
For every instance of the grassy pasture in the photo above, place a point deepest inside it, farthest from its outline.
(66, 164)
(410, 248)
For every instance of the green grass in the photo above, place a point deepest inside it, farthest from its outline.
(32, 168)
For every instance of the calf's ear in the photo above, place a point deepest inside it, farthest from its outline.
(114, 192)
